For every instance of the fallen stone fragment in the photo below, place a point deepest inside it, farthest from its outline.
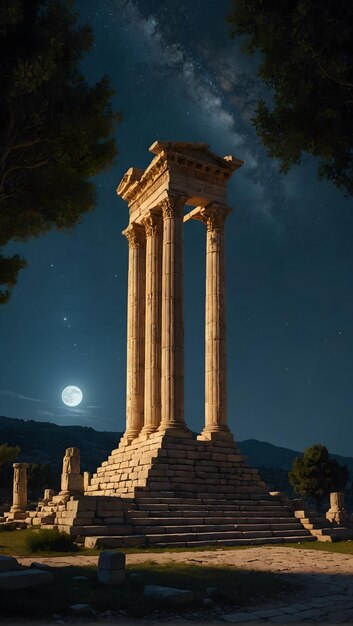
(79, 578)
(24, 578)
(42, 566)
(173, 596)
(81, 609)
(8, 563)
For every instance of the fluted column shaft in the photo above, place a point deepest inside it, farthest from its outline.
(153, 227)
(172, 378)
(135, 235)
(215, 324)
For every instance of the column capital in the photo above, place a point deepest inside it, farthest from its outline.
(214, 216)
(135, 234)
(172, 206)
(152, 223)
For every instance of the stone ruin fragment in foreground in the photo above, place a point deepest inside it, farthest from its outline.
(161, 486)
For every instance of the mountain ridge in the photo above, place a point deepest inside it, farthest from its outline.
(46, 442)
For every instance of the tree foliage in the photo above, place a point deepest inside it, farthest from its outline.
(8, 454)
(316, 475)
(40, 477)
(55, 128)
(306, 51)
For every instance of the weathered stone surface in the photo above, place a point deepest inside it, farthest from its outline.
(41, 566)
(175, 597)
(81, 609)
(71, 479)
(111, 560)
(24, 578)
(19, 488)
(8, 563)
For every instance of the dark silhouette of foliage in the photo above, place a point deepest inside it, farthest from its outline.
(316, 475)
(8, 454)
(307, 60)
(40, 477)
(55, 128)
(48, 540)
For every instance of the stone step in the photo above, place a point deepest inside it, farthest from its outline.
(107, 530)
(162, 520)
(202, 511)
(335, 533)
(159, 527)
(100, 541)
(232, 500)
(300, 532)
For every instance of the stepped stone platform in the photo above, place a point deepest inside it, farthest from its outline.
(168, 490)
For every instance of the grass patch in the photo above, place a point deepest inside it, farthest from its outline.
(46, 540)
(233, 588)
(18, 543)
(339, 547)
(15, 544)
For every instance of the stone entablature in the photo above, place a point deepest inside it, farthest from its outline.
(178, 168)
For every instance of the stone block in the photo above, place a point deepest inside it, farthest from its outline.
(8, 563)
(174, 597)
(111, 560)
(111, 568)
(24, 578)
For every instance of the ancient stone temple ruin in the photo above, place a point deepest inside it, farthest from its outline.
(162, 486)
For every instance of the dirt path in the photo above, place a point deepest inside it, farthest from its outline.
(274, 559)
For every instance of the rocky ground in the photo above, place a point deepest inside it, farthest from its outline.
(326, 583)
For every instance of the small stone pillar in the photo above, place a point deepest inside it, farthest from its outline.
(71, 479)
(111, 567)
(19, 504)
(48, 494)
(87, 476)
(337, 512)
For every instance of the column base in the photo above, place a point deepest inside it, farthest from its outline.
(213, 435)
(175, 430)
(148, 430)
(128, 437)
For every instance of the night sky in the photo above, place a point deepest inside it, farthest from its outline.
(179, 76)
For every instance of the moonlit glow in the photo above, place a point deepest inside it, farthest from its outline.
(72, 396)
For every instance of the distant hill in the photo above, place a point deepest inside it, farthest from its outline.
(44, 442)
(263, 454)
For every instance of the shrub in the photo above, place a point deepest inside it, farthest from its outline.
(46, 540)
(8, 527)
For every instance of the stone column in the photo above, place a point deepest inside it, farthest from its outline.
(19, 503)
(135, 235)
(172, 375)
(153, 226)
(337, 512)
(214, 217)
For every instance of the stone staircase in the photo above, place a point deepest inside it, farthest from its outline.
(175, 491)
(321, 528)
(179, 522)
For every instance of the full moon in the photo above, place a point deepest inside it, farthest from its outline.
(72, 396)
